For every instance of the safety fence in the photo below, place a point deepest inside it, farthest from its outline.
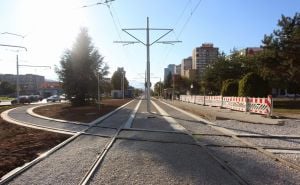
(244, 104)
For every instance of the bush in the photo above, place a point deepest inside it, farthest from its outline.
(253, 85)
(230, 88)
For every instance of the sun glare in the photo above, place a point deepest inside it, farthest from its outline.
(50, 27)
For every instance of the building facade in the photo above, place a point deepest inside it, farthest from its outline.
(28, 84)
(186, 64)
(169, 69)
(178, 69)
(203, 56)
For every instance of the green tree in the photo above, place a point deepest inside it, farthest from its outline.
(230, 87)
(116, 80)
(253, 85)
(158, 88)
(6, 88)
(280, 62)
(79, 69)
(221, 70)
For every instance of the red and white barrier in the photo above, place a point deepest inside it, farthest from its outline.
(260, 105)
(244, 104)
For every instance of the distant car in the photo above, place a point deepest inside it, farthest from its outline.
(35, 98)
(22, 99)
(53, 98)
(63, 97)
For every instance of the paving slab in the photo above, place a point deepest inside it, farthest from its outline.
(157, 136)
(101, 131)
(152, 120)
(118, 119)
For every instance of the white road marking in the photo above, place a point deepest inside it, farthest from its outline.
(166, 116)
(132, 115)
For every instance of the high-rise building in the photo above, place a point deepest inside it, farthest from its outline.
(169, 69)
(186, 64)
(178, 69)
(203, 56)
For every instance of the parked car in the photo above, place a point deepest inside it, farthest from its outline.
(35, 98)
(63, 97)
(22, 99)
(53, 98)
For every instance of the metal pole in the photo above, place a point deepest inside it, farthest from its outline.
(18, 90)
(173, 77)
(159, 88)
(123, 85)
(98, 91)
(148, 67)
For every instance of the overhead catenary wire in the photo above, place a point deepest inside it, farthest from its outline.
(194, 9)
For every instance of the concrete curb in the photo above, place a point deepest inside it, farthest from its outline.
(4, 116)
(30, 112)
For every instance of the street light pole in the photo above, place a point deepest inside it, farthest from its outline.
(18, 89)
(123, 85)
(98, 91)
(148, 66)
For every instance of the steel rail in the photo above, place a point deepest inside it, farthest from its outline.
(224, 165)
(14, 173)
(87, 177)
(236, 137)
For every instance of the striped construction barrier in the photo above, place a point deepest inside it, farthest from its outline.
(199, 100)
(260, 105)
(244, 104)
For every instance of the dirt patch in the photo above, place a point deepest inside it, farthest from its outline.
(19, 145)
(84, 114)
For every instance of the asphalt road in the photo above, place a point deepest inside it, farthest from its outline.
(166, 146)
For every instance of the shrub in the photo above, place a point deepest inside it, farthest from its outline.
(230, 88)
(253, 85)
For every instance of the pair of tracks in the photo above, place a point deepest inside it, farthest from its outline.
(126, 126)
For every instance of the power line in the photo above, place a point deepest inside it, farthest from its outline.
(189, 18)
(184, 25)
(98, 3)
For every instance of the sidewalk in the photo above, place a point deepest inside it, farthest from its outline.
(215, 113)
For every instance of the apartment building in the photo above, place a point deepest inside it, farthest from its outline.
(203, 56)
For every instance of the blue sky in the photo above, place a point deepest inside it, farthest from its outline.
(51, 27)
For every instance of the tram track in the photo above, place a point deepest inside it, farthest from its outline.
(265, 150)
(120, 131)
(8, 178)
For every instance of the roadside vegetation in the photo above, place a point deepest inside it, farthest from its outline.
(80, 70)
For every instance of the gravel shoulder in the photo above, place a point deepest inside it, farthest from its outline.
(67, 165)
(139, 162)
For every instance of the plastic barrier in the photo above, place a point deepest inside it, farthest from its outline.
(260, 105)
(244, 104)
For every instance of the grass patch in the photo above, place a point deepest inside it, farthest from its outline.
(5, 98)
(288, 104)
(289, 111)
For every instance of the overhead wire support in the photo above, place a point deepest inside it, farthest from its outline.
(147, 44)
(99, 3)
